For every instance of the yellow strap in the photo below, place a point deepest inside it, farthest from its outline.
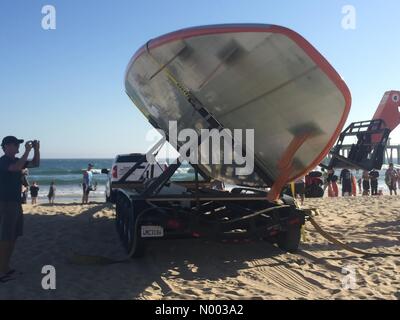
(344, 246)
(293, 189)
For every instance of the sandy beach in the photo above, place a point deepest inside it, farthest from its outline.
(197, 269)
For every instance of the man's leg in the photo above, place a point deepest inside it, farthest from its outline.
(85, 197)
(6, 250)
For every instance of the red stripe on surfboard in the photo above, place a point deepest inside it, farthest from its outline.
(319, 60)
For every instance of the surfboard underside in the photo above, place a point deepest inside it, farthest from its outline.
(260, 77)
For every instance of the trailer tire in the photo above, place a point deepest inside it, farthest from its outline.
(119, 214)
(128, 228)
(289, 240)
(136, 248)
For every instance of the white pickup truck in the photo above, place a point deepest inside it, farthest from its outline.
(121, 164)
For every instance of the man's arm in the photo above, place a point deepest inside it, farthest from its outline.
(20, 164)
(35, 162)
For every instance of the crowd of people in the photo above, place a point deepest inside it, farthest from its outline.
(316, 184)
(33, 189)
(27, 189)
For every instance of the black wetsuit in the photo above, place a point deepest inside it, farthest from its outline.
(345, 177)
(374, 175)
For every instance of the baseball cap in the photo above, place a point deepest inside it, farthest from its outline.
(11, 140)
(90, 165)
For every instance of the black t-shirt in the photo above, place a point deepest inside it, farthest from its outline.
(34, 191)
(10, 182)
(345, 175)
(374, 174)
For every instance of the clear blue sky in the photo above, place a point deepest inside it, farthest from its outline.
(65, 86)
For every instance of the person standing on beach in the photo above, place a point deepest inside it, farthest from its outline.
(333, 190)
(25, 185)
(334, 185)
(87, 183)
(391, 179)
(52, 193)
(34, 189)
(346, 182)
(300, 188)
(365, 183)
(11, 214)
(373, 176)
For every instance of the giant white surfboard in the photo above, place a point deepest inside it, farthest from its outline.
(246, 76)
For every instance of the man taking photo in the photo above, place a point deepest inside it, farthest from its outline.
(11, 215)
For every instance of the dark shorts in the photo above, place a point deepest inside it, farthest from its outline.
(299, 188)
(11, 220)
(346, 186)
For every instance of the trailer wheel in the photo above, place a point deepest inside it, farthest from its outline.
(133, 242)
(119, 213)
(289, 240)
(127, 228)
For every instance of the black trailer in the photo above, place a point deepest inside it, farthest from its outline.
(157, 209)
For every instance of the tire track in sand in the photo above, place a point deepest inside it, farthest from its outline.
(281, 279)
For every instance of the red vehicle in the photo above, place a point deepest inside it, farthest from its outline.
(367, 152)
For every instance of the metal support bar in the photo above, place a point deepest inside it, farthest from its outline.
(141, 160)
(156, 185)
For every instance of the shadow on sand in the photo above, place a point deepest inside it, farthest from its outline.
(50, 239)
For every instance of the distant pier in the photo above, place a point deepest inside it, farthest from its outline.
(392, 153)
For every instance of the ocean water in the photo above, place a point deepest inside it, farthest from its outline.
(67, 176)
